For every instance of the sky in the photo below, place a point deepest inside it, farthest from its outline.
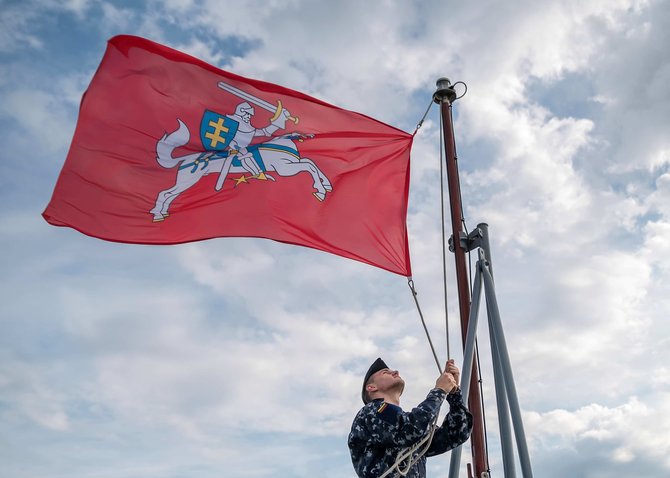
(244, 357)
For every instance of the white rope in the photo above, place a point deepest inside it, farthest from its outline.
(410, 454)
(444, 240)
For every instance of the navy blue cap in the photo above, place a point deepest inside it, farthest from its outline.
(376, 366)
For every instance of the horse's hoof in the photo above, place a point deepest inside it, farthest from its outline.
(328, 188)
(320, 196)
(158, 218)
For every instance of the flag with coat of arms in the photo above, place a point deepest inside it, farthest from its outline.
(169, 149)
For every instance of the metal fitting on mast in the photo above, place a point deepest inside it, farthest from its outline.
(468, 242)
(445, 91)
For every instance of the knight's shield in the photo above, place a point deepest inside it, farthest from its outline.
(217, 131)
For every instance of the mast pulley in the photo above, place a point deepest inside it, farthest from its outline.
(445, 91)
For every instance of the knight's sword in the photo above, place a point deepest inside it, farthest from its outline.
(275, 110)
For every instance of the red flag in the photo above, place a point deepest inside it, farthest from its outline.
(169, 149)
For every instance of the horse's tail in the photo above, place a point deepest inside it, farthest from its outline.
(169, 142)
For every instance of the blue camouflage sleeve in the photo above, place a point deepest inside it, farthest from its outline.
(455, 428)
(388, 425)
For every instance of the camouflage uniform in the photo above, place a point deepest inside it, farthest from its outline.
(381, 430)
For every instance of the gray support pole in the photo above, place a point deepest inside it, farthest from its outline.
(503, 355)
(506, 444)
(468, 360)
(484, 228)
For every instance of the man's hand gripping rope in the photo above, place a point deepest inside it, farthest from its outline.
(408, 457)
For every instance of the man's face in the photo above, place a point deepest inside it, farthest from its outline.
(386, 379)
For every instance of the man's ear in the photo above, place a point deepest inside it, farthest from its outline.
(371, 387)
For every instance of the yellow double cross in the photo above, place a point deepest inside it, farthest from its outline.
(215, 137)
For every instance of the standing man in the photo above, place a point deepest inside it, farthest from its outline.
(381, 429)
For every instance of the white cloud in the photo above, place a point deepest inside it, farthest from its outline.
(41, 117)
(78, 7)
(116, 19)
(31, 396)
(202, 50)
(625, 433)
(190, 342)
(659, 200)
(15, 32)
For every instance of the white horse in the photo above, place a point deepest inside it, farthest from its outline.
(279, 154)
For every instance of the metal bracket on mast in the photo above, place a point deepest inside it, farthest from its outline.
(468, 242)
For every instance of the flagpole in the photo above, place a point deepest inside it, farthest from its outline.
(445, 96)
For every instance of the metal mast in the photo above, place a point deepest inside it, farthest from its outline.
(445, 96)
